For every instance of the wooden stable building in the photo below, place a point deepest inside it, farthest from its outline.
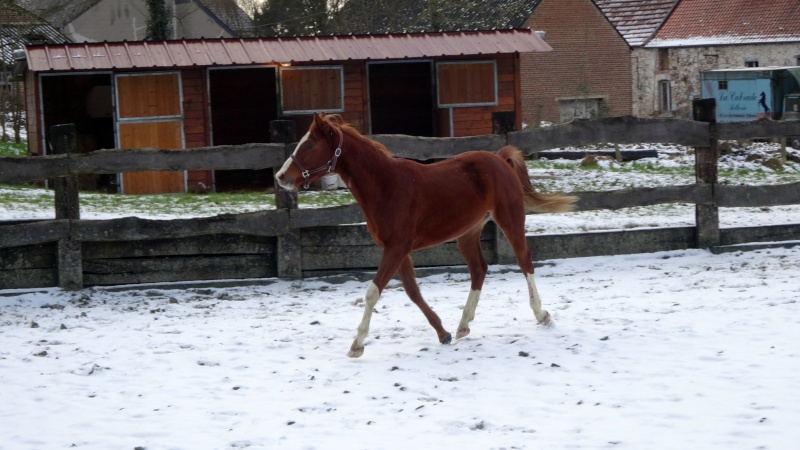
(194, 93)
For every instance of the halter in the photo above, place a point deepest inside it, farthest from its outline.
(328, 167)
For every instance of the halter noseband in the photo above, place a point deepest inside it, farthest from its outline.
(328, 167)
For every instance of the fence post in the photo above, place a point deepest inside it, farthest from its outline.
(706, 169)
(70, 262)
(290, 251)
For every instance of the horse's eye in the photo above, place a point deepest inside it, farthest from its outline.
(309, 145)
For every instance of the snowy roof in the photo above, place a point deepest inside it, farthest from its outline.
(729, 22)
(635, 20)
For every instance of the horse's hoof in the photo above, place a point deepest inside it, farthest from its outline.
(446, 339)
(355, 352)
(462, 333)
(545, 320)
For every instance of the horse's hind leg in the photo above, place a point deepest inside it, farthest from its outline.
(515, 234)
(470, 247)
(412, 289)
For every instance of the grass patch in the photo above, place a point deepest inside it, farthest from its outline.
(13, 149)
(325, 199)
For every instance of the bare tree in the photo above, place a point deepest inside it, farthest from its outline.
(12, 101)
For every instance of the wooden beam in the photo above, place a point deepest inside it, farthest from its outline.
(763, 128)
(427, 148)
(628, 198)
(67, 206)
(579, 245)
(706, 174)
(33, 233)
(262, 223)
(755, 196)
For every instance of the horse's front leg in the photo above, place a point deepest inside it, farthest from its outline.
(390, 263)
(370, 300)
(409, 280)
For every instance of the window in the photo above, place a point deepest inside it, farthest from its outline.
(751, 62)
(312, 89)
(149, 95)
(663, 59)
(664, 96)
(470, 83)
(722, 85)
(579, 108)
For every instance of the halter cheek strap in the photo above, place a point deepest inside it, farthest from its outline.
(329, 167)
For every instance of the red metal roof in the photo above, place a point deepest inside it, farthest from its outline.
(715, 22)
(225, 52)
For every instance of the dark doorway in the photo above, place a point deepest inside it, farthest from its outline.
(85, 101)
(401, 98)
(243, 102)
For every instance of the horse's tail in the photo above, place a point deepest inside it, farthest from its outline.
(534, 201)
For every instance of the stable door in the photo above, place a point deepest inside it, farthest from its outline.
(150, 115)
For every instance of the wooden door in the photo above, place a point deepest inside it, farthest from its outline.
(150, 115)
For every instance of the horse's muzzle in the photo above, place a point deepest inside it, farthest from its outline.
(284, 183)
(282, 180)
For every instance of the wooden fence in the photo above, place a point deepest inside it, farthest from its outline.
(290, 243)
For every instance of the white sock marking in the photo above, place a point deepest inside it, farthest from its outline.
(370, 300)
(469, 309)
(536, 301)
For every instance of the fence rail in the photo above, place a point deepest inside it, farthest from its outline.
(72, 253)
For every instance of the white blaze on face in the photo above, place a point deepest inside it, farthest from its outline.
(288, 163)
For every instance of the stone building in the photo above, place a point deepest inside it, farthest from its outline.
(701, 35)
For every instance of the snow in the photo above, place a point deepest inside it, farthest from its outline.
(726, 39)
(670, 350)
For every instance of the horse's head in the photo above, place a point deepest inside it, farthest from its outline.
(314, 156)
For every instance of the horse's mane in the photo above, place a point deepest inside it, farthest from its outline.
(337, 121)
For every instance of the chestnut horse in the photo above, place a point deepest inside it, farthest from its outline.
(411, 206)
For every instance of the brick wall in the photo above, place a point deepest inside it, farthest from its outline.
(589, 59)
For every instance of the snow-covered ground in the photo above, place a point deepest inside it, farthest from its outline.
(659, 351)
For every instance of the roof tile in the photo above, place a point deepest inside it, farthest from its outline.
(726, 22)
(636, 20)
